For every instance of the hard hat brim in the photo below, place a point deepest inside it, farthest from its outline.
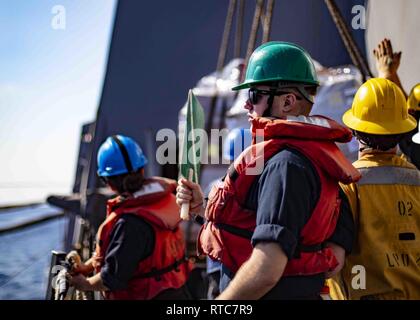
(392, 127)
(249, 83)
(104, 173)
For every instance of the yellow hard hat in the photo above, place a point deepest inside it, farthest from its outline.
(413, 101)
(379, 107)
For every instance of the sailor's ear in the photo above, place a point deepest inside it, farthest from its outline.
(289, 102)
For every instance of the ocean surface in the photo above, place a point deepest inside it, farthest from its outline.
(25, 254)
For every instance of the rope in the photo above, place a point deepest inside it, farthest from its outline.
(226, 32)
(267, 21)
(221, 60)
(239, 29)
(337, 20)
(348, 40)
(254, 29)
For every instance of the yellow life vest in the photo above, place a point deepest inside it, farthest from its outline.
(385, 261)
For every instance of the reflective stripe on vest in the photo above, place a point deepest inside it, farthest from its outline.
(317, 121)
(389, 175)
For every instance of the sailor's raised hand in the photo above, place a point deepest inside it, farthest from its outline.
(387, 61)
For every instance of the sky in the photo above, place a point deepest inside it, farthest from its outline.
(52, 64)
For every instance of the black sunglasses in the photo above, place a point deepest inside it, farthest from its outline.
(255, 94)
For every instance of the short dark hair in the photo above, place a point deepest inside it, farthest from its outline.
(128, 182)
(379, 141)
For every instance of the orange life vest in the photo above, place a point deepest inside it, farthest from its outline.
(230, 225)
(166, 267)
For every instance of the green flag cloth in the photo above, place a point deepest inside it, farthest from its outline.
(191, 148)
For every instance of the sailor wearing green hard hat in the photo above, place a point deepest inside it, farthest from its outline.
(281, 68)
(279, 233)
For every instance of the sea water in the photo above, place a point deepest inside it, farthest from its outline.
(25, 254)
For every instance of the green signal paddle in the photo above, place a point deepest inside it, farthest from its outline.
(191, 142)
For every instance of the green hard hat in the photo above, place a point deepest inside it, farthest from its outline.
(279, 61)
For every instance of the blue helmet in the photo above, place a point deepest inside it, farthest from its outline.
(236, 141)
(119, 155)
